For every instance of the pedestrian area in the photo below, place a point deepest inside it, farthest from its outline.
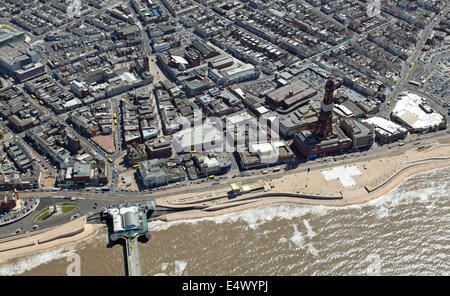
(344, 174)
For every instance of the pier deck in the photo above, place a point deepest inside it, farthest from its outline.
(133, 259)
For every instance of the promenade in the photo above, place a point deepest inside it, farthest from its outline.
(378, 177)
(31, 243)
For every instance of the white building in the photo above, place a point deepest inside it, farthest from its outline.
(414, 112)
(386, 131)
(205, 137)
(125, 218)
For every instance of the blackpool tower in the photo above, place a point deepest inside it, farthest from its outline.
(324, 126)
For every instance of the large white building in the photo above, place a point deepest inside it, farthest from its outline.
(205, 137)
(414, 112)
(125, 218)
(386, 131)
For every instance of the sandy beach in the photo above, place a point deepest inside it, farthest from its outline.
(66, 234)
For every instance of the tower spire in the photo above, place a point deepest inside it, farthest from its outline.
(324, 127)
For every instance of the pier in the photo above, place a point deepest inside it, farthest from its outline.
(130, 222)
(133, 258)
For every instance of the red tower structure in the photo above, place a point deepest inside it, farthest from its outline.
(323, 137)
(324, 127)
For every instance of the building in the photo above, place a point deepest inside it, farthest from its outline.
(323, 137)
(130, 220)
(362, 134)
(240, 74)
(205, 137)
(265, 154)
(79, 88)
(386, 131)
(16, 56)
(290, 94)
(82, 172)
(212, 163)
(293, 124)
(8, 201)
(136, 153)
(29, 71)
(158, 172)
(414, 112)
(311, 146)
(221, 62)
(241, 188)
(160, 147)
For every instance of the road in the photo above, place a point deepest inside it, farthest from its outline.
(87, 207)
(254, 175)
(407, 69)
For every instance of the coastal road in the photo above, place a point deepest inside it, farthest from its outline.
(254, 175)
(86, 207)
(91, 203)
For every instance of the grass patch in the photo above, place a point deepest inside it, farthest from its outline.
(5, 27)
(423, 148)
(66, 208)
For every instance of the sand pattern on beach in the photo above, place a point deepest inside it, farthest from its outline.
(344, 174)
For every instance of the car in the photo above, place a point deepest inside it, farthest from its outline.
(35, 226)
(18, 230)
(72, 198)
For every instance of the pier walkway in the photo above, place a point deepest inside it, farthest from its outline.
(133, 258)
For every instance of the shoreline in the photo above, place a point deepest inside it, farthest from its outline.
(430, 160)
(61, 236)
(266, 201)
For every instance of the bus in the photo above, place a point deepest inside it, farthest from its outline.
(115, 121)
(40, 102)
(136, 166)
(401, 143)
(115, 115)
(211, 176)
(33, 96)
(193, 151)
(109, 159)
